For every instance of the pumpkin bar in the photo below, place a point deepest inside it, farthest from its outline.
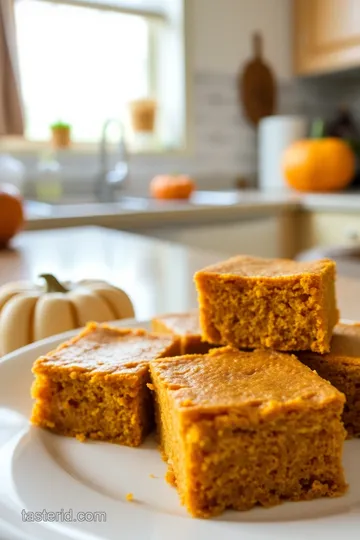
(341, 367)
(249, 302)
(94, 386)
(187, 327)
(244, 428)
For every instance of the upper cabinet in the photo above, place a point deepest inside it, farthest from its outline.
(326, 35)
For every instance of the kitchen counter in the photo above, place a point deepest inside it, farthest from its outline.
(216, 207)
(334, 202)
(136, 213)
(157, 275)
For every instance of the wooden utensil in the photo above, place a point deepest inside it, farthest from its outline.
(256, 84)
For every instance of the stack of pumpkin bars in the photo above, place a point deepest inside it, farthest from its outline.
(239, 422)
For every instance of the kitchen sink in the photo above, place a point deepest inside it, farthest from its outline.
(79, 205)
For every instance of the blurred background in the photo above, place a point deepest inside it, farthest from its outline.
(114, 107)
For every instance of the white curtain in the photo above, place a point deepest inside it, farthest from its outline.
(11, 111)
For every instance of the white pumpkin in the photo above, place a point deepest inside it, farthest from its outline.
(30, 312)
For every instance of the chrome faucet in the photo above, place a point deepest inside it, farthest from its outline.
(109, 179)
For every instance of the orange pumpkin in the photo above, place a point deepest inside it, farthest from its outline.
(11, 213)
(168, 186)
(319, 164)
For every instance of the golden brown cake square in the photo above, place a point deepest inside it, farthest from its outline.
(187, 327)
(244, 428)
(94, 386)
(341, 367)
(249, 302)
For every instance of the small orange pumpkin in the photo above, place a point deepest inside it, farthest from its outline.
(319, 164)
(168, 186)
(11, 213)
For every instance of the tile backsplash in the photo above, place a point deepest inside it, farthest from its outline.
(224, 143)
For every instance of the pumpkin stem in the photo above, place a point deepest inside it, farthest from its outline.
(52, 284)
(317, 129)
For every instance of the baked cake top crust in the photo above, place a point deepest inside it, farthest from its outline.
(105, 349)
(182, 323)
(256, 267)
(344, 346)
(264, 381)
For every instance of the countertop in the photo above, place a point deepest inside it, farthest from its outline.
(135, 213)
(157, 275)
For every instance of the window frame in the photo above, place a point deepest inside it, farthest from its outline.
(109, 6)
(24, 146)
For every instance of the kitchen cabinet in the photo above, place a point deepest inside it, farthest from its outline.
(327, 229)
(268, 236)
(326, 35)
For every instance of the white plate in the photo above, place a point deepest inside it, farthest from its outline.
(41, 471)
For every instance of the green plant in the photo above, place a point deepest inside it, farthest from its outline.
(60, 125)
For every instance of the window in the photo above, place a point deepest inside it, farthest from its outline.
(83, 64)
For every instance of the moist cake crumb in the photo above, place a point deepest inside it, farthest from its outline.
(94, 386)
(341, 367)
(249, 302)
(245, 428)
(187, 327)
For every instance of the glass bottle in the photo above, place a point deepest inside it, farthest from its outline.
(48, 178)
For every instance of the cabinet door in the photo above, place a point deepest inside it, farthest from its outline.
(264, 237)
(328, 229)
(327, 35)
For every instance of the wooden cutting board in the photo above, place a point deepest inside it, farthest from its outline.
(256, 85)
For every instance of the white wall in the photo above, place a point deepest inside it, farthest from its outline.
(221, 34)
